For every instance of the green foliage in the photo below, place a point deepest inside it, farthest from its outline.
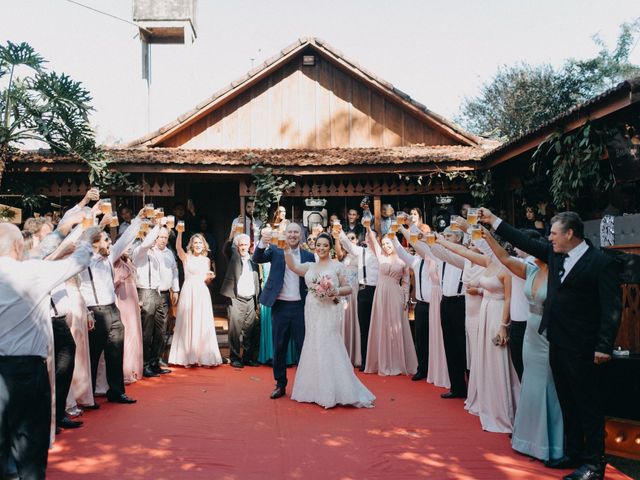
(522, 97)
(269, 190)
(480, 186)
(52, 108)
(573, 163)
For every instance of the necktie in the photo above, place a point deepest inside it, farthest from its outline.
(561, 268)
(420, 279)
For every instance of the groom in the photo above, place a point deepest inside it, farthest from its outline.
(285, 293)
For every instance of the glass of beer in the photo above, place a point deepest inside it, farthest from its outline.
(180, 226)
(282, 242)
(476, 233)
(149, 210)
(366, 222)
(239, 228)
(454, 223)
(114, 222)
(394, 227)
(390, 235)
(472, 216)
(159, 212)
(105, 206)
(87, 221)
(431, 238)
(337, 227)
(171, 221)
(140, 235)
(413, 235)
(146, 226)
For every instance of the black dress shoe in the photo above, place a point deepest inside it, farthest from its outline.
(95, 406)
(361, 368)
(66, 422)
(120, 399)
(161, 371)
(419, 376)
(562, 463)
(587, 472)
(147, 372)
(237, 364)
(452, 395)
(250, 363)
(278, 392)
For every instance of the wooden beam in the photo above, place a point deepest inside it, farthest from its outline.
(377, 209)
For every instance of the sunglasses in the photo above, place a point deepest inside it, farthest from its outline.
(351, 238)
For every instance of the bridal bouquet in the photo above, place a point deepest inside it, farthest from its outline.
(322, 287)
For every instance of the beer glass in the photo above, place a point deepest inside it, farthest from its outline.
(105, 206)
(282, 242)
(337, 227)
(239, 228)
(390, 235)
(114, 222)
(413, 235)
(476, 233)
(159, 212)
(394, 227)
(146, 226)
(149, 210)
(472, 216)
(366, 222)
(454, 225)
(171, 221)
(431, 238)
(87, 221)
(180, 226)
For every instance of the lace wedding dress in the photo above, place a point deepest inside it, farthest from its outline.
(325, 375)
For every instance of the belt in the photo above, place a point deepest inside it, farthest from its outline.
(59, 317)
(102, 307)
(422, 301)
(22, 359)
(246, 299)
(164, 292)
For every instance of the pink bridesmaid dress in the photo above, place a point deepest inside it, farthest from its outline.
(437, 372)
(350, 324)
(390, 350)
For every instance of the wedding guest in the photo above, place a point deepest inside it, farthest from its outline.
(158, 287)
(352, 225)
(207, 232)
(387, 218)
(285, 293)
(126, 217)
(250, 225)
(350, 325)
(368, 267)
(533, 222)
(241, 286)
(311, 243)
(582, 314)
(540, 436)
(25, 338)
(421, 271)
(279, 219)
(194, 338)
(98, 290)
(497, 383)
(390, 346)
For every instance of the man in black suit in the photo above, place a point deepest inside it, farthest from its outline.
(581, 316)
(241, 285)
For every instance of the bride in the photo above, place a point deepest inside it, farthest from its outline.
(325, 375)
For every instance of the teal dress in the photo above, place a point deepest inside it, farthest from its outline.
(265, 354)
(537, 429)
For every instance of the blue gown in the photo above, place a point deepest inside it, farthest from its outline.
(537, 429)
(265, 354)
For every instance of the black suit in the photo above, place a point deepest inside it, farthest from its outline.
(581, 315)
(242, 311)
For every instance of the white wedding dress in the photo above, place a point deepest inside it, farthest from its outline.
(325, 375)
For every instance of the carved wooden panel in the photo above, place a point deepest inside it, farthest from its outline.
(629, 333)
(153, 187)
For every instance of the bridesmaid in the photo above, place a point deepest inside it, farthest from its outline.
(194, 338)
(129, 305)
(350, 324)
(390, 348)
(540, 436)
(496, 380)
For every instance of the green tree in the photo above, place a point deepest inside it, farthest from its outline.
(522, 97)
(48, 107)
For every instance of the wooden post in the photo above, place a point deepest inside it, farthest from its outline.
(242, 204)
(377, 209)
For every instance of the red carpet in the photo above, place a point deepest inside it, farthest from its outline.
(220, 424)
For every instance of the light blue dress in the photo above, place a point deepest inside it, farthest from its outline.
(265, 354)
(538, 429)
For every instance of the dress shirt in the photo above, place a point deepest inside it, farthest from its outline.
(60, 300)
(102, 270)
(123, 227)
(25, 300)
(385, 225)
(246, 286)
(169, 279)
(370, 261)
(573, 256)
(291, 286)
(420, 268)
(450, 270)
(146, 263)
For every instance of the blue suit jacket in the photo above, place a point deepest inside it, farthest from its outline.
(275, 281)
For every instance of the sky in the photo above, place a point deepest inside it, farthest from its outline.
(438, 52)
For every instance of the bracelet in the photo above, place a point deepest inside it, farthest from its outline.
(506, 324)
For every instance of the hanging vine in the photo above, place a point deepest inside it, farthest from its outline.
(269, 190)
(574, 164)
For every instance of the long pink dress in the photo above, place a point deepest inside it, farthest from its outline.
(129, 305)
(470, 278)
(437, 373)
(498, 387)
(194, 338)
(390, 350)
(350, 324)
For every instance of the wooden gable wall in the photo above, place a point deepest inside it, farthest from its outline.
(311, 107)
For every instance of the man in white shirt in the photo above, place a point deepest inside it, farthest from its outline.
(158, 287)
(25, 339)
(368, 268)
(250, 225)
(98, 290)
(420, 269)
(241, 286)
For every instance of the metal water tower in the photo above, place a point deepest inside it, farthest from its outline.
(163, 21)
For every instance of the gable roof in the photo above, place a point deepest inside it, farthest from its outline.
(235, 88)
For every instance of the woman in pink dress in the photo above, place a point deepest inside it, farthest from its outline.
(129, 305)
(194, 337)
(437, 374)
(390, 349)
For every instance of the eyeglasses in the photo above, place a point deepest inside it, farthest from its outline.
(351, 238)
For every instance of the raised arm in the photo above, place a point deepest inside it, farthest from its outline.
(262, 254)
(347, 245)
(473, 257)
(182, 255)
(299, 268)
(340, 253)
(373, 243)
(141, 250)
(127, 238)
(538, 248)
(405, 256)
(514, 265)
